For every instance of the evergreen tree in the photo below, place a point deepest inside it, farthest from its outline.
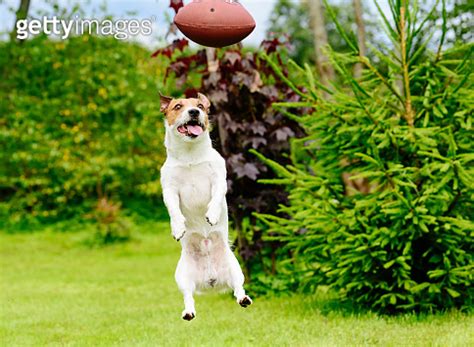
(400, 237)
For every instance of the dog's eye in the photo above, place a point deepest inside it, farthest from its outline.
(177, 107)
(201, 106)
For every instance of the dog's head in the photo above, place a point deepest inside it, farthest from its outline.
(186, 118)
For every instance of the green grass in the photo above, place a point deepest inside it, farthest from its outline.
(55, 290)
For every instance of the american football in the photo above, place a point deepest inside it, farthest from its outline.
(215, 23)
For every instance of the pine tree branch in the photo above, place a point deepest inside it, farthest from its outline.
(360, 35)
(409, 114)
(443, 32)
(453, 203)
(280, 74)
(367, 63)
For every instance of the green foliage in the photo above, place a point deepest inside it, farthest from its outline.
(111, 226)
(460, 20)
(381, 188)
(293, 19)
(80, 121)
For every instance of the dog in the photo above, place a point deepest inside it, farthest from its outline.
(193, 180)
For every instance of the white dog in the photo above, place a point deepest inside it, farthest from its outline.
(194, 187)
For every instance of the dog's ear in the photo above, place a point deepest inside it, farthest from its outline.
(205, 101)
(164, 102)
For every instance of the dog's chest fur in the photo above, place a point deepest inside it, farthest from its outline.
(194, 183)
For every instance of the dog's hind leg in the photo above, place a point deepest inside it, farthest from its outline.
(187, 287)
(189, 311)
(237, 280)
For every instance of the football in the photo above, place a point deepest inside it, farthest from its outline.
(214, 23)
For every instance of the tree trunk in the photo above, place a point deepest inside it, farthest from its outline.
(360, 35)
(325, 70)
(21, 13)
(212, 62)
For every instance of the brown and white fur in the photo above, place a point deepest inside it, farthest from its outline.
(194, 188)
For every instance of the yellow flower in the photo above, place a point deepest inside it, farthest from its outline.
(103, 93)
(92, 106)
(65, 112)
(63, 126)
(57, 65)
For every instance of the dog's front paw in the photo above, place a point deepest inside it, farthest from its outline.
(245, 301)
(188, 315)
(178, 230)
(178, 237)
(212, 216)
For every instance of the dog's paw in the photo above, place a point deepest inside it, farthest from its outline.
(245, 301)
(188, 315)
(178, 230)
(212, 216)
(179, 237)
(211, 222)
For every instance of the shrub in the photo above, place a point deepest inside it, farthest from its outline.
(380, 203)
(80, 119)
(111, 226)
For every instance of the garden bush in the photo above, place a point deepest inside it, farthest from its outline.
(381, 188)
(79, 121)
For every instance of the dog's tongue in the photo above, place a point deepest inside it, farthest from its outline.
(196, 130)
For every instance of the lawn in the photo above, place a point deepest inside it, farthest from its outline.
(56, 290)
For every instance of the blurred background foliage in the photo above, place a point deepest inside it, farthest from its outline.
(293, 19)
(80, 122)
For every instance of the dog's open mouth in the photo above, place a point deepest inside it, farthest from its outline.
(192, 129)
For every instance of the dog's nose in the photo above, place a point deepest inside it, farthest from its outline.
(194, 113)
